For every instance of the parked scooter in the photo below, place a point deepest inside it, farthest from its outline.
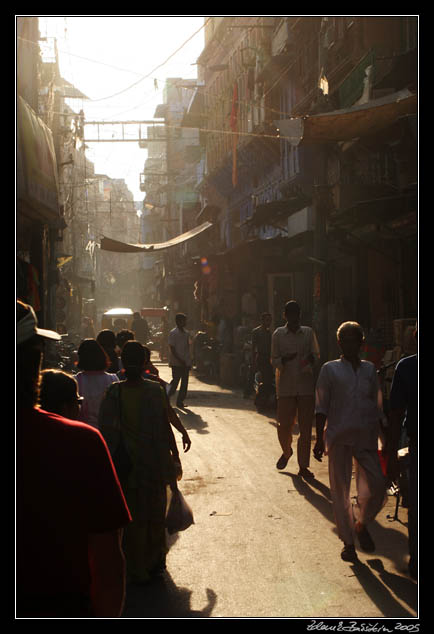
(265, 398)
(65, 354)
(246, 367)
(206, 351)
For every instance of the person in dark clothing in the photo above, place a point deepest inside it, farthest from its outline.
(140, 327)
(122, 337)
(135, 409)
(59, 394)
(261, 354)
(107, 340)
(151, 372)
(70, 508)
(404, 413)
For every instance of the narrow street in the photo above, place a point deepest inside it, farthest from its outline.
(218, 172)
(264, 542)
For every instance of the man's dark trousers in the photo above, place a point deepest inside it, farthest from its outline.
(179, 373)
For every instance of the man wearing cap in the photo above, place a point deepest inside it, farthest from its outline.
(70, 509)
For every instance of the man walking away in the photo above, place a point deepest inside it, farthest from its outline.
(294, 351)
(179, 358)
(349, 399)
(140, 327)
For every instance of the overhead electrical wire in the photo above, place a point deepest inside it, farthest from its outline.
(205, 92)
(120, 92)
(209, 92)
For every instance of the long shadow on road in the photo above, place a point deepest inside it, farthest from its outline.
(378, 589)
(381, 588)
(163, 599)
(321, 501)
(191, 420)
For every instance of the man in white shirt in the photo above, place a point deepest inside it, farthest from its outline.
(294, 351)
(349, 399)
(179, 358)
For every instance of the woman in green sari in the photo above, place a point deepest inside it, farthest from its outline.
(134, 412)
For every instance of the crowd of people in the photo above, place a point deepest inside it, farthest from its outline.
(90, 535)
(81, 537)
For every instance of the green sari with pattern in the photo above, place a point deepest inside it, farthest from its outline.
(139, 412)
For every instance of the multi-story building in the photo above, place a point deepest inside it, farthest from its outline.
(170, 182)
(306, 163)
(38, 213)
(366, 168)
(310, 140)
(74, 249)
(63, 207)
(154, 181)
(50, 152)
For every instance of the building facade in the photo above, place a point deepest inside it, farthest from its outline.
(171, 176)
(63, 207)
(38, 212)
(308, 202)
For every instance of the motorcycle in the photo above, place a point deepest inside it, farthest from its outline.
(265, 392)
(64, 355)
(246, 368)
(206, 352)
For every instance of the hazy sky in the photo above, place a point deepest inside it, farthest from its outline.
(107, 55)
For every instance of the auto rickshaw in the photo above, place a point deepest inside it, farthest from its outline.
(116, 319)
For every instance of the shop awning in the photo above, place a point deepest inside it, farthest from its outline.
(394, 212)
(108, 244)
(348, 123)
(37, 182)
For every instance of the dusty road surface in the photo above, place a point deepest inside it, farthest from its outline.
(264, 542)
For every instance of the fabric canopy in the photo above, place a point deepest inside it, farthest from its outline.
(348, 123)
(37, 181)
(108, 244)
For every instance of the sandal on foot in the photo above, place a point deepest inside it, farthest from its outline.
(349, 553)
(305, 473)
(283, 461)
